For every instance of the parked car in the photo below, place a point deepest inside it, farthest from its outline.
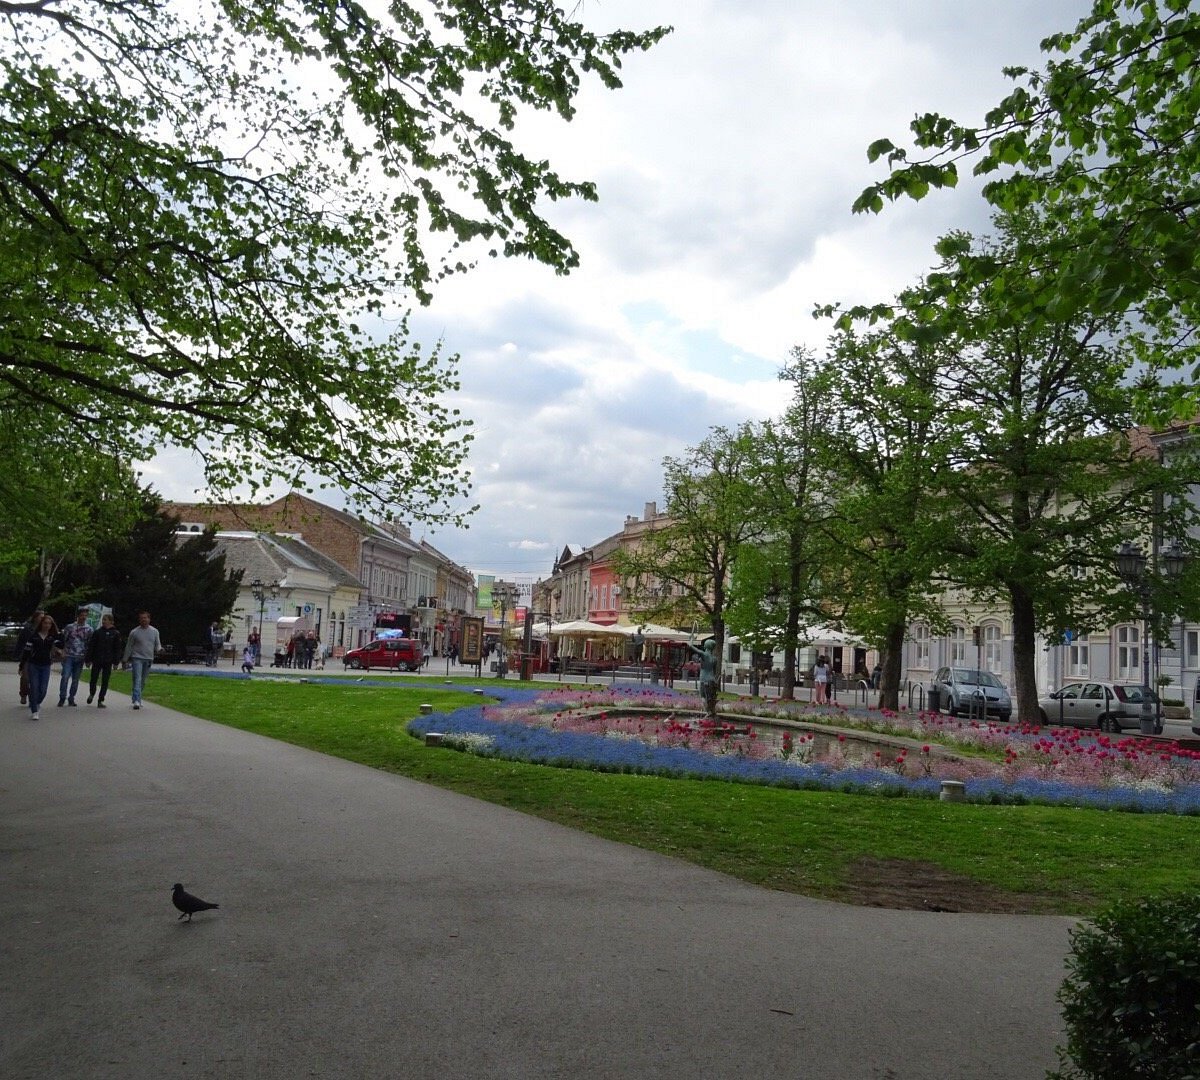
(9, 633)
(963, 690)
(386, 652)
(1108, 706)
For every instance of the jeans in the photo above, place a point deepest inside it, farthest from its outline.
(140, 669)
(101, 672)
(68, 685)
(39, 683)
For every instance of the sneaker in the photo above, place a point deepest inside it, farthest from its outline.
(137, 704)
(90, 696)
(61, 702)
(35, 717)
(71, 703)
(23, 699)
(101, 705)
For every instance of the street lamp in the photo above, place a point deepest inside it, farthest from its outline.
(1134, 568)
(260, 591)
(504, 593)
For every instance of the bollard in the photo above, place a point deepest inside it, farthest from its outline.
(434, 738)
(953, 791)
(426, 710)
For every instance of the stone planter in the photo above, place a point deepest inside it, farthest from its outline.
(1176, 712)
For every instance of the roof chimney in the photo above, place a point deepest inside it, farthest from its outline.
(651, 511)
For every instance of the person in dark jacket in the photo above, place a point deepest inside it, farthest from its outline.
(19, 651)
(104, 650)
(39, 653)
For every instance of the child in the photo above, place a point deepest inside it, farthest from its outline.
(248, 658)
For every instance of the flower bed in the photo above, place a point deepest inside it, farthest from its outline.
(659, 732)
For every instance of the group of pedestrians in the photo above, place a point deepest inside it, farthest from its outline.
(302, 649)
(41, 643)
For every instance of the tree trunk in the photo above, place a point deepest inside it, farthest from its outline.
(891, 665)
(787, 691)
(1024, 644)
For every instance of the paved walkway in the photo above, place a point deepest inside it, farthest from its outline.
(372, 926)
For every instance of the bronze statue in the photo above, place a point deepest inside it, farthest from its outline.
(707, 655)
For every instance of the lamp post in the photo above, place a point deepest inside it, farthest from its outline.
(260, 591)
(1134, 568)
(504, 593)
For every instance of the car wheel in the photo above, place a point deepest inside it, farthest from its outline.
(950, 706)
(1005, 717)
(1109, 724)
(356, 663)
(1044, 717)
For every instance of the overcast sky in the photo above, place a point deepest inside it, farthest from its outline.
(726, 169)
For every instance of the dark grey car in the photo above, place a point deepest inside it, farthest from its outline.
(972, 691)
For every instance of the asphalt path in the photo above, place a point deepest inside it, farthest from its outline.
(373, 926)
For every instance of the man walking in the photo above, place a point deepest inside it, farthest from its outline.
(104, 650)
(141, 647)
(75, 640)
(216, 641)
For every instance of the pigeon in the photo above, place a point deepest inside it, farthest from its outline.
(187, 903)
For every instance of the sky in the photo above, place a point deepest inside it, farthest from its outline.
(726, 168)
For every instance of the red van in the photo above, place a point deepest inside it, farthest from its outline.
(393, 653)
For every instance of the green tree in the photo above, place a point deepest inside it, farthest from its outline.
(683, 568)
(184, 584)
(775, 589)
(210, 207)
(1042, 477)
(63, 490)
(1103, 142)
(884, 438)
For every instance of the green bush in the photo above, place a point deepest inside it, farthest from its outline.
(1131, 999)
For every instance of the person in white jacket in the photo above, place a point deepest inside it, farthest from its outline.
(141, 647)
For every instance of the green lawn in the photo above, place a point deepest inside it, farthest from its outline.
(849, 847)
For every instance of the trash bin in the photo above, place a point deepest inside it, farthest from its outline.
(934, 702)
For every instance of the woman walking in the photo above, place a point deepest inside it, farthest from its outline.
(39, 654)
(821, 680)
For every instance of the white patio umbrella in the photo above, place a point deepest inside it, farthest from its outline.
(652, 632)
(583, 628)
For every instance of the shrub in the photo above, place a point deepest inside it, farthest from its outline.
(1131, 999)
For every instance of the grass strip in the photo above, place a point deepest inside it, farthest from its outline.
(1028, 858)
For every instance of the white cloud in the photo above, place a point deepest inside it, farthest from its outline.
(726, 169)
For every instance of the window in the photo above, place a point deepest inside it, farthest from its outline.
(1129, 655)
(991, 647)
(921, 639)
(604, 596)
(958, 645)
(1077, 659)
(1191, 648)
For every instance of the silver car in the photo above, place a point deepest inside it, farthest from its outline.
(1108, 706)
(972, 692)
